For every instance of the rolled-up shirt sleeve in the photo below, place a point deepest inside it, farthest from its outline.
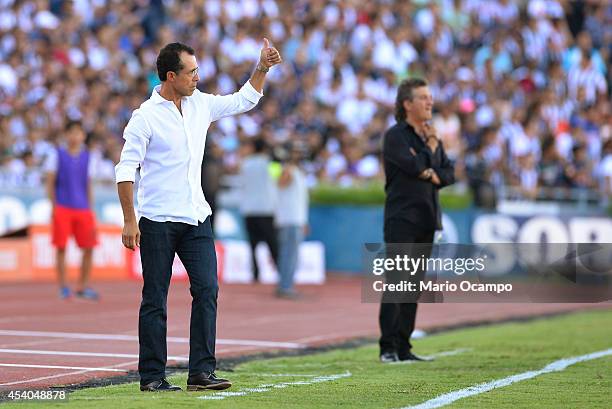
(236, 103)
(137, 135)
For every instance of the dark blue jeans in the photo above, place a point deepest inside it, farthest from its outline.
(195, 247)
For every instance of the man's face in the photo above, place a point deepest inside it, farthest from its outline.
(584, 41)
(186, 79)
(75, 136)
(421, 105)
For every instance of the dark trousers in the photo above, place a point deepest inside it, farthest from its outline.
(261, 228)
(397, 319)
(195, 247)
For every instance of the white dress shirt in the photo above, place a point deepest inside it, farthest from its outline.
(169, 147)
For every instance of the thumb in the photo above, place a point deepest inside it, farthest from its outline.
(266, 43)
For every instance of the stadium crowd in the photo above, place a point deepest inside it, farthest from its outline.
(522, 88)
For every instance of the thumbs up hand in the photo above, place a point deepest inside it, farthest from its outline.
(269, 56)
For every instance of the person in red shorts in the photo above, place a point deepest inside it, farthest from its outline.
(70, 194)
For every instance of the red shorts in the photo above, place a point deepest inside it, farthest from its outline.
(77, 222)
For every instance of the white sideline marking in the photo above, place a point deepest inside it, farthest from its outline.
(555, 366)
(311, 365)
(62, 367)
(118, 337)
(69, 353)
(271, 366)
(268, 387)
(281, 375)
(43, 378)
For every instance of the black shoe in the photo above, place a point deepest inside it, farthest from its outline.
(206, 381)
(412, 357)
(388, 357)
(161, 385)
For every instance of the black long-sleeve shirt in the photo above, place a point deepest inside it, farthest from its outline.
(412, 201)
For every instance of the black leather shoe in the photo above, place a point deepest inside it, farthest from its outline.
(388, 357)
(161, 385)
(205, 380)
(412, 357)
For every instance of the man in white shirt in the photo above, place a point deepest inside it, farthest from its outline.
(165, 138)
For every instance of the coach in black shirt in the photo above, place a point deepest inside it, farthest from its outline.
(416, 167)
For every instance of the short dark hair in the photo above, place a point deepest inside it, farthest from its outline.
(169, 59)
(405, 91)
(259, 145)
(72, 123)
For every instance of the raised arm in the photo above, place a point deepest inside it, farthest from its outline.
(269, 57)
(250, 93)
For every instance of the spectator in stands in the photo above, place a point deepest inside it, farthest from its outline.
(481, 170)
(580, 172)
(92, 62)
(552, 173)
(527, 176)
(605, 170)
(585, 75)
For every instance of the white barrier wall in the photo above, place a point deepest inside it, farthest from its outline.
(235, 264)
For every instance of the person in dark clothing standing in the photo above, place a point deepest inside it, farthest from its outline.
(258, 201)
(212, 169)
(416, 167)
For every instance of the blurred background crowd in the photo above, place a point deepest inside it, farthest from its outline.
(522, 88)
